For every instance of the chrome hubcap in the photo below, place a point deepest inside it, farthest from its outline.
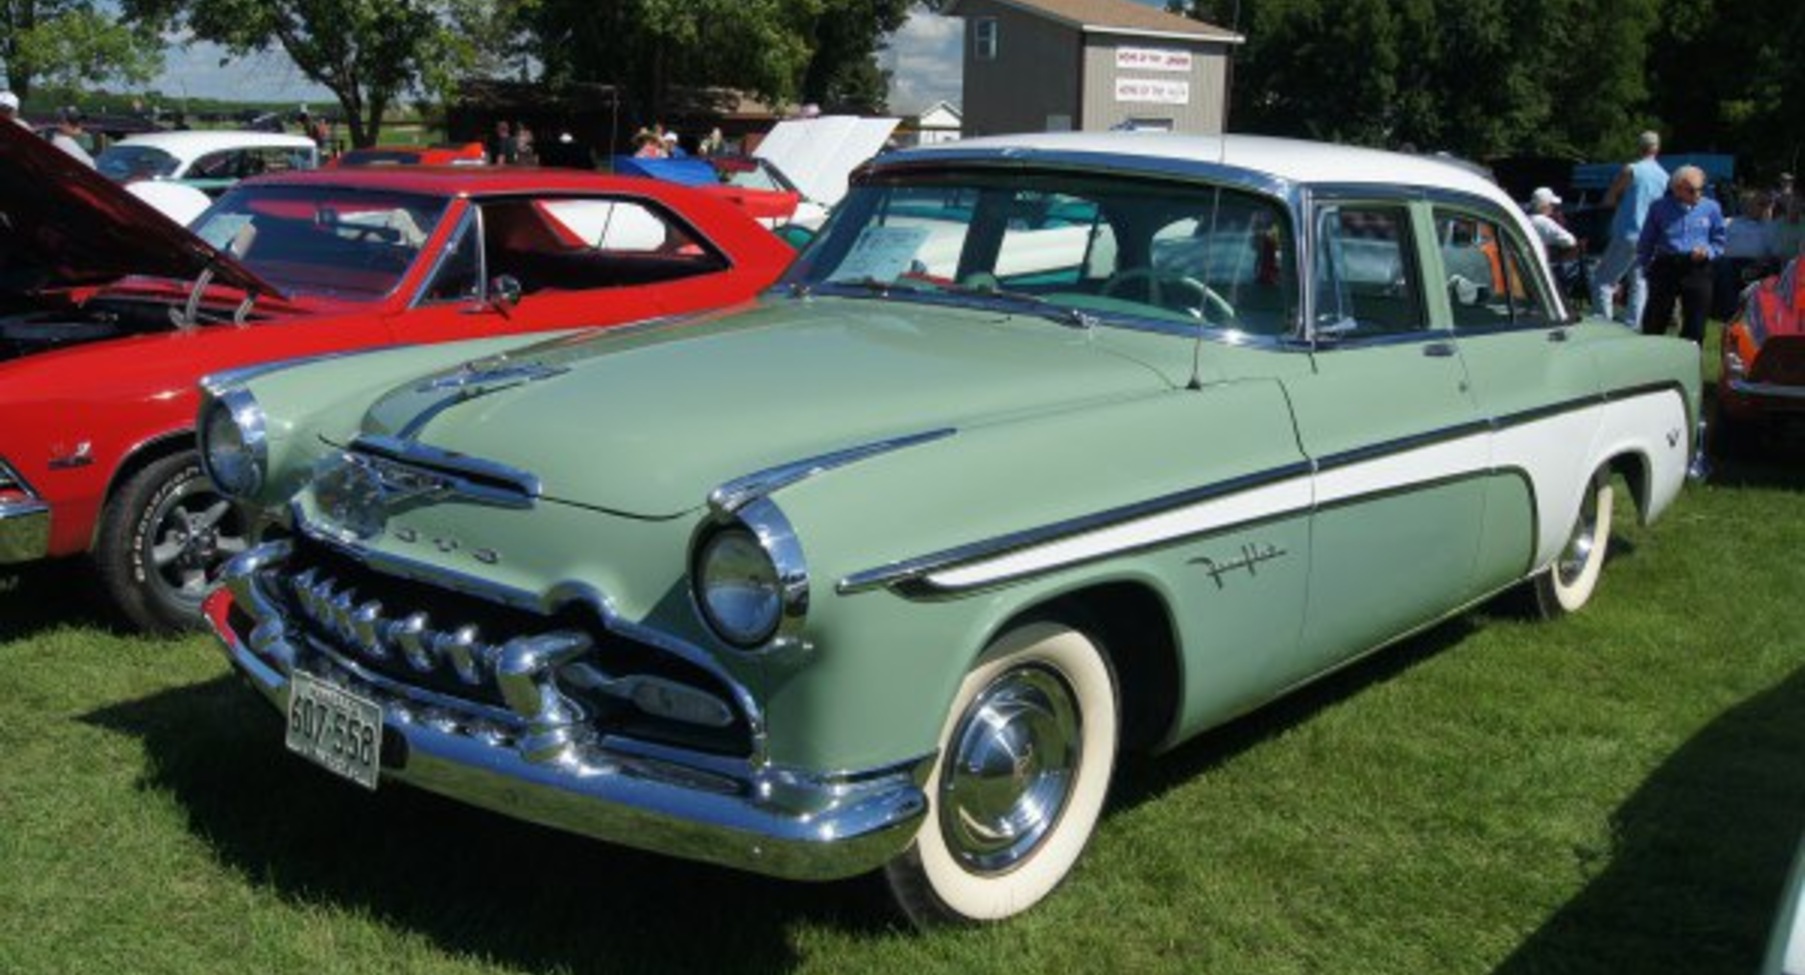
(1579, 545)
(194, 532)
(1012, 761)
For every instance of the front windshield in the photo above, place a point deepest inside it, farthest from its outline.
(1123, 248)
(125, 162)
(325, 240)
(752, 174)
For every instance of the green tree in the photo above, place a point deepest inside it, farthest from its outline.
(69, 43)
(780, 50)
(1729, 77)
(368, 53)
(1476, 77)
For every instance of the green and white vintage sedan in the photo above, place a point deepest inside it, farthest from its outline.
(1046, 448)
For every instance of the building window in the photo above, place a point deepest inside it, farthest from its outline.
(984, 38)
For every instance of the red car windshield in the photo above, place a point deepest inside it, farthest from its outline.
(325, 240)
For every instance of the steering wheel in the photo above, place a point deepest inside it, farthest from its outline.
(1179, 286)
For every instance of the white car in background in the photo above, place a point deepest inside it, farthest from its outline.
(209, 161)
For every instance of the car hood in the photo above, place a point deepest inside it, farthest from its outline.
(817, 154)
(647, 423)
(64, 225)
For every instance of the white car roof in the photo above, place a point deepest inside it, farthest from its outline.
(1293, 160)
(191, 144)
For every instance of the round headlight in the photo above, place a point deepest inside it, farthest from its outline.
(232, 443)
(738, 587)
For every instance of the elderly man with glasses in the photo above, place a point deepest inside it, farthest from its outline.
(1683, 235)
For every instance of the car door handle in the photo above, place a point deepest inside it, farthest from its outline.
(1439, 350)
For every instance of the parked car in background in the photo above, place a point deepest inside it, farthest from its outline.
(794, 177)
(209, 160)
(109, 313)
(1048, 447)
(467, 154)
(1762, 379)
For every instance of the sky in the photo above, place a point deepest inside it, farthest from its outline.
(923, 58)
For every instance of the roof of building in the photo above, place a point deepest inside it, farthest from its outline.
(1114, 17)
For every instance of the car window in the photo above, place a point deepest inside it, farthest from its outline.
(126, 162)
(1365, 277)
(224, 164)
(459, 277)
(1489, 273)
(1108, 246)
(330, 240)
(594, 242)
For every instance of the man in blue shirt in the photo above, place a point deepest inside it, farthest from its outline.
(1635, 189)
(1683, 234)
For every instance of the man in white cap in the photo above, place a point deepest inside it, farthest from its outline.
(1541, 216)
(9, 108)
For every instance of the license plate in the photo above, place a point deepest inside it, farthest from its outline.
(335, 728)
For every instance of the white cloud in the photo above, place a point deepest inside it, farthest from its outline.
(924, 60)
(196, 69)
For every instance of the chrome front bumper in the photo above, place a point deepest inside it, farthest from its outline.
(765, 819)
(24, 531)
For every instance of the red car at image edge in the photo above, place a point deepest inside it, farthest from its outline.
(110, 314)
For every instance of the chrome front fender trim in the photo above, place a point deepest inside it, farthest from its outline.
(741, 491)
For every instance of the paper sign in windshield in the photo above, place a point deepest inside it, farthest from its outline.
(223, 229)
(881, 254)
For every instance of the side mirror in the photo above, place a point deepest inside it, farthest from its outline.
(504, 291)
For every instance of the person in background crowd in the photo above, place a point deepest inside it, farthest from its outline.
(69, 134)
(9, 108)
(714, 143)
(1784, 200)
(1541, 216)
(672, 148)
(1683, 235)
(1635, 189)
(502, 149)
(648, 145)
(523, 145)
(1748, 253)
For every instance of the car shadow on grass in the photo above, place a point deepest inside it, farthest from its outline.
(475, 883)
(42, 596)
(1692, 879)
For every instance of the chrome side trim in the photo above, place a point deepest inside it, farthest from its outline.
(910, 577)
(24, 531)
(730, 497)
(779, 821)
(912, 573)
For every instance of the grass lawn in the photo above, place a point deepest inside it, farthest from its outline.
(1616, 793)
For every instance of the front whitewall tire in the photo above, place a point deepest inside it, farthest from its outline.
(992, 846)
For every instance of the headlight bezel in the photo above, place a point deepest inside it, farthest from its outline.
(249, 424)
(764, 526)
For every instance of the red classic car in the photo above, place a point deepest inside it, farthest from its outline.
(110, 314)
(1763, 375)
(466, 154)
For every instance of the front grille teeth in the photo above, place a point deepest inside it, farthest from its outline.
(362, 628)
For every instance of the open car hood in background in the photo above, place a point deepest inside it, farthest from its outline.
(62, 224)
(817, 154)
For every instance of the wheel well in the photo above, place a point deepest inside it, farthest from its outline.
(142, 456)
(1633, 467)
(1132, 626)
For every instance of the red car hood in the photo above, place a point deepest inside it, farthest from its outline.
(63, 225)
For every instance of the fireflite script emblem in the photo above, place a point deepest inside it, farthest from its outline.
(1250, 556)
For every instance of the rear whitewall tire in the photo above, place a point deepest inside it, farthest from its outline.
(1045, 685)
(1568, 583)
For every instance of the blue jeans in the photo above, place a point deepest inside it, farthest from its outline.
(1619, 259)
